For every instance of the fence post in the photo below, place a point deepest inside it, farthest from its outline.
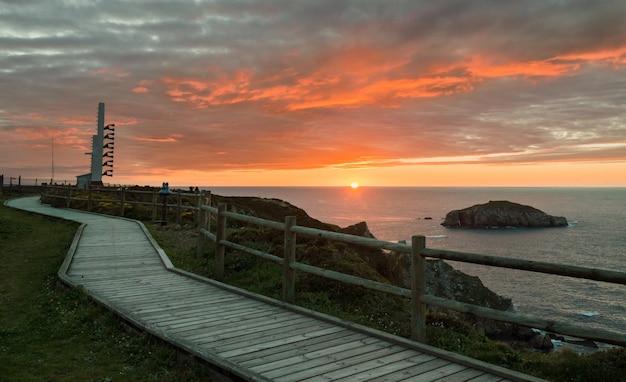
(220, 249)
(196, 216)
(178, 207)
(289, 276)
(207, 201)
(202, 218)
(69, 198)
(122, 201)
(89, 196)
(418, 288)
(154, 204)
(1, 183)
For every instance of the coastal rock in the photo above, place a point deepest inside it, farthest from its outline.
(542, 342)
(500, 214)
(442, 280)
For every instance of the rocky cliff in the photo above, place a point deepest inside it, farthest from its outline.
(500, 214)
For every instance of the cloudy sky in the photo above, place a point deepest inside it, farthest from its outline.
(280, 92)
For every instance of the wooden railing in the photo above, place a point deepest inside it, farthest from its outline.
(418, 252)
(204, 214)
(117, 200)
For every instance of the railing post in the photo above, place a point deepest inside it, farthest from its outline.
(220, 249)
(89, 196)
(202, 218)
(289, 275)
(207, 201)
(154, 205)
(178, 207)
(123, 201)
(69, 198)
(196, 215)
(418, 288)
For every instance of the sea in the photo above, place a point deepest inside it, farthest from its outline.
(594, 238)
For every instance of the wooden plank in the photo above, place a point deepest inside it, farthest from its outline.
(146, 309)
(205, 316)
(190, 312)
(254, 341)
(281, 352)
(342, 351)
(162, 291)
(220, 342)
(279, 342)
(489, 378)
(383, 365)
(467, 374)
(255, 357)
(156, 314)
(90, 271)
(360, 363)
(417, 374)
(104, 278)
(412, 371)
(236, 331)
(149, 309)
(82, 262)
(255, 323)
(156, 279)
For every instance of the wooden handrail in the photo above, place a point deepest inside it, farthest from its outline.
(121, 196)
(417, 250)
(417, 294)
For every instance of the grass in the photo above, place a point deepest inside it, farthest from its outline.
(51, 333)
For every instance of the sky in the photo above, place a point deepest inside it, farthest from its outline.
(317, 93)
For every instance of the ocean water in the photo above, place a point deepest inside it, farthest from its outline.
(595, 238)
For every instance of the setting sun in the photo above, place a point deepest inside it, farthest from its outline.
(354, 185)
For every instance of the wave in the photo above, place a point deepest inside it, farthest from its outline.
(589, 314)
(437, 236)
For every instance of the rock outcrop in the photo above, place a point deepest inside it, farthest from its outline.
(501, 214)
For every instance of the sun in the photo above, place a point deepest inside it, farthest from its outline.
(354, 185)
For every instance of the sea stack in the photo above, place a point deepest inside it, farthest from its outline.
(501, 214)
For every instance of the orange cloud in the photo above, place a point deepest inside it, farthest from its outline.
(615, 56)
(173, 138)
(483, 67)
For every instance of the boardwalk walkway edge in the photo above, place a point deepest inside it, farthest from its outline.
(225, 365)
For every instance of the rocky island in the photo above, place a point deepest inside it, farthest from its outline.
(501, 214)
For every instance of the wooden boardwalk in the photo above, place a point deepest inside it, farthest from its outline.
(247, 336)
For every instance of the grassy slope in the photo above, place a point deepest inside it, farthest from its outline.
(48, 332)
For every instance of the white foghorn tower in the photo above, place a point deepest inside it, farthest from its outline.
(101, 152)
